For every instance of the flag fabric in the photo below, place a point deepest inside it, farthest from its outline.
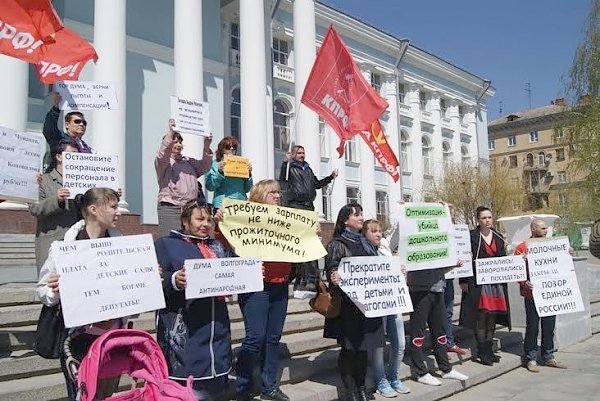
(25, 25)
(375, 138)
(337, 91)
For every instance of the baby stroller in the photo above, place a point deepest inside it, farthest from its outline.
(131, 352)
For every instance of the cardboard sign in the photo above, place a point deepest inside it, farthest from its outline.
(82, 95)
(552, 273)
(226, 276)
(504, 269)
(20, 160)
(191, 116)
(107, 278)
(272, 233)
(236, 166)
(82, 171)
(462, 242)
(375, 284)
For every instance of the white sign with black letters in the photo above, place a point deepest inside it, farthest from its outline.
(87, 95)
(82, 171)
(20, 160)
(504, 269)
(191, 116)
(462, 241)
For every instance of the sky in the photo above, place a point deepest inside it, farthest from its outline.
(510, 42)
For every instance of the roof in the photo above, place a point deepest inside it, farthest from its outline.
(543, 111)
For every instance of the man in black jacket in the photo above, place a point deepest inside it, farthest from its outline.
(302, 185)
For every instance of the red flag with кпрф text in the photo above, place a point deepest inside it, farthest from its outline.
(337, 91)
(375, 138)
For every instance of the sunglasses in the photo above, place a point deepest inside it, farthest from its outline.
(234, 148)
(200, 205)
(79, 121)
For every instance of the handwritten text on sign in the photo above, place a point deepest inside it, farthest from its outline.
(426, 236)
(504, 269)
(462, 241)
(375, 284)
(216, 277)
(273, 233)
(107, 278)
(236, 166)
(191, 116)
(20, 161)
(82, 171)
(81, 95)
(552, 273)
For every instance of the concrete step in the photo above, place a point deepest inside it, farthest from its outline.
(20, 238)
(595, 325)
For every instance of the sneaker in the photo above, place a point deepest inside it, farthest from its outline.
(399, 387)
(429, 380)
(532, 366)
(275, 395)
(384, 389)
(455, 375)
(553, 363)
(456, 349)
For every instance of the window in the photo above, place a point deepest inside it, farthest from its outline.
(562, 199)
(561, 176)
(515, 182)
(530, 159)
(234, 36)
(512, 161)
(281, 125)
(326, 196)
(352, 195)
(560, 155)
(512, 140)
(443, 107)
(381, 205)
(541, 159)
(558, 133)
(446, 153)
(515, 204)
(402, 93)
(280, 51)
(407, 198)
(323, 140)
(376, 82)
(491, 144)
(461, 114)
(533, 136)
(464, 154)
(351, 151)
(426, 152)
(404, 151)
(235, 114)
(423, 101)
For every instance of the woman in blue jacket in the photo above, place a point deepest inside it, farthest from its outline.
(194, 334)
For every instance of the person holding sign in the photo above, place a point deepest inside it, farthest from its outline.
(195, 334)
(222, 185)
(177, 178)
(484, 306)
(539, 229)
(355, 333)
(99, 207)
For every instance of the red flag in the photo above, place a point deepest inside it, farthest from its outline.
(64, 59)
(24, 26)
(337, 91)
(380, 147)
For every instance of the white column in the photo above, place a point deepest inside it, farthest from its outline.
(253, 86)
(367, 172)
(436, 140)
(391, 95)
(416, 146)
(110, 42)
(472, 131)
(452, 114)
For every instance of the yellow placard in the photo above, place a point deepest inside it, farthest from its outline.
(273, 233)
(236, 166)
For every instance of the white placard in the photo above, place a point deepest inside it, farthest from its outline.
(87, 95)
(225, 276)
(82, 171)
(462, 241)
(504, 269)
(426, 237)
(107, 278)
(20, 160)
(375, 284)
(191, 116)
(552, 273)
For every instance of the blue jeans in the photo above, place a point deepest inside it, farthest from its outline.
(264, 314)
(394, 327)
(530, 346)
(449, 302)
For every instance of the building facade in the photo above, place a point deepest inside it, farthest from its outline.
(250, 60)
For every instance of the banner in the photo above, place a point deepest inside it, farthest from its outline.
(107, 278)
(375, 284)
(337, 91)
(462, 242)
(20, 160)
(191, 116)
(552, 273)
(236, 166)
(218, 277)
(504, 269)
(426, 236)
(381, 149)
(272, 233)
(82, 171)
(87, 95)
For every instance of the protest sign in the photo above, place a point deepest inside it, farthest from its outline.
(236, 166)
(82, 171)
(107, 278)
(504, 269)
(375, 284)
(225, 276)
(20, 160)
(191, 116)
(462, 242)
(426, 236)
(272, 233)
(552, 273)
(82, 95)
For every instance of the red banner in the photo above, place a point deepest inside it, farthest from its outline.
(375, 138)
(25, 25)
(337, 91)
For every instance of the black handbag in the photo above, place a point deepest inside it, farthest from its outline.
(51, 333)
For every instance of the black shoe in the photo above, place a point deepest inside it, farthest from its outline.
(243, 397)
(275, 395)
(361, 394)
